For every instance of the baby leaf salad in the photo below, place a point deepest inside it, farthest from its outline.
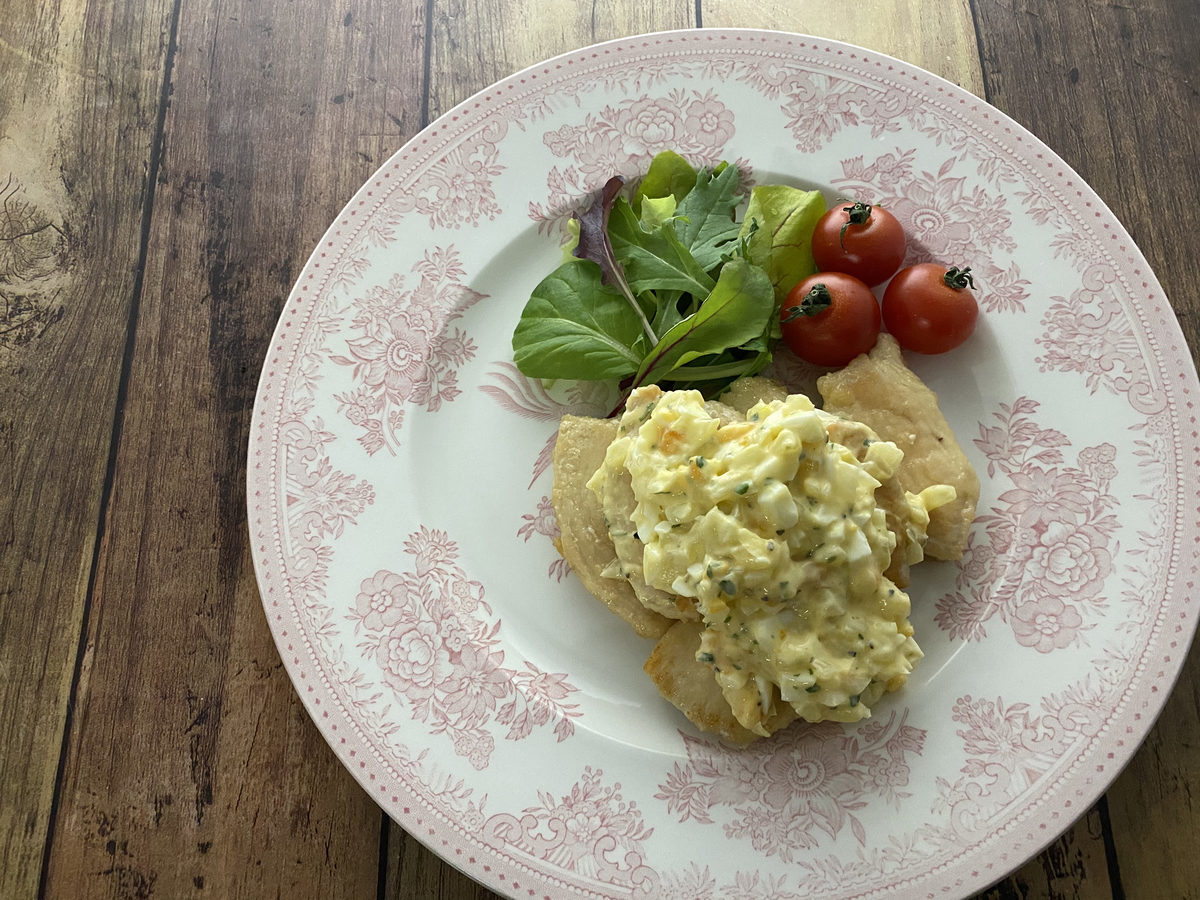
(664, 284)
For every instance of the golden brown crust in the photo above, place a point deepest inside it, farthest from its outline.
(584, 542)
(880, 391)
(746, 392)
(689, 684)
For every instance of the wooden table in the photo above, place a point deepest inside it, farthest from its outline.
(165, 169)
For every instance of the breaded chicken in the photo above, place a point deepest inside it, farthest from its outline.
(880, 391)
(584, 540)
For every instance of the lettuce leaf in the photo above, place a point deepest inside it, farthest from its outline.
(657, 259)
(705, 217)
(736, 312)
(575, 326)
(781, 242)
(669, 175)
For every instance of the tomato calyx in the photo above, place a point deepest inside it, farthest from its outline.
(829, 318)
(815, 301)
(958, 279)
(855, 215)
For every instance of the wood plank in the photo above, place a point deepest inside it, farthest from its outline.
(941, 39)
(938, 37)
(473, 45)
(477, 42)
(78, 101)
(1082, 77)
(192, 769)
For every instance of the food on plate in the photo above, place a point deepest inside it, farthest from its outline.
(772, 536)
(689, 685)
(830, 318)
(861, 240)
(763, 543)
(929, 308)
(664, 285)
(880, 391)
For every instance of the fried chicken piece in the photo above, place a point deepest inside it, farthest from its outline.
(880, 391)
(584, 540)
(689, 685)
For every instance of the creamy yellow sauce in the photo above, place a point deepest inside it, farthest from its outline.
(773, 531)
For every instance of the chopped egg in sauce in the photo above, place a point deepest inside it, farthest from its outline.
(772, 529)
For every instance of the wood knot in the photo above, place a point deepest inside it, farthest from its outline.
(33, 253)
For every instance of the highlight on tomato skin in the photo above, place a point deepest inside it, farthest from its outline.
(930, 308)
(830, 318)
(865, 241)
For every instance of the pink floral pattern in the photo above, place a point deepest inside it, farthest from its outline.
(807, 781)
(1090, 333)
(820, 106)
(320, 502)
(545, 523)
(697, 882)
(948, 216)
(1009, 749)
(590, 831)
(382, 229)
(427, 631)
(405, 351)
(1040, 558)
(623, 138)
(457, 190)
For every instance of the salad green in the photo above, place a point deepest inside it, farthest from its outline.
(663, 284)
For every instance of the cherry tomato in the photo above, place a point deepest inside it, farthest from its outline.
(929, 308)
(830, 318)
(860, 240)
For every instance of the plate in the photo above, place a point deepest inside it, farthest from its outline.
(403, 537)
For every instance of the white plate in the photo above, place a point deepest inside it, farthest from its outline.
(403, 537)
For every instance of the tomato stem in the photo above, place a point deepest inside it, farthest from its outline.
(959, 278)
(857, 215)
(815, 301)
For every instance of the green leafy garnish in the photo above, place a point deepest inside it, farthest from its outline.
(706, 216)
(574, 326)
(669, 175)
(669, 287)
(734, 314)
(654, 260)
(781, 241)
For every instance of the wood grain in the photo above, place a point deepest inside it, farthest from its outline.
(165, 169)
(938, 37)
(192, 769)
(475, 43)
(79, 99)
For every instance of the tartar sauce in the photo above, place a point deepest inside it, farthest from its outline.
(772, 529)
